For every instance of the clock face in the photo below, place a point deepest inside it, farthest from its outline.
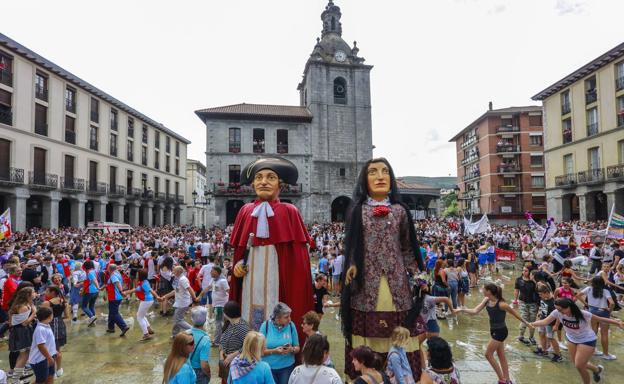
(340, 56)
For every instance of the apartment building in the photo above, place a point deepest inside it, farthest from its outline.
(500, 164)
(584, 140)
(198, 197)
(71, 153)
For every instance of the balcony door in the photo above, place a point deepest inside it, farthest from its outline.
(113, 178)
(69, 171)
(39, 166)
(92, 175)
(594, 158)
(5, 159)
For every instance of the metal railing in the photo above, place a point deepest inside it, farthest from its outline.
(565, 180)
(282, 148)
(41, 128)
(591, 96)
(503, 168)
(180, 198)
(234, 148)
(506, 148)
(508, 188)
(595, 175)
(471, 194)
(117, 191)
(6, 77)
(11, 176)
(615, 172)
(72, 184)
(592, 129)
(469, 141)
(41, 93)
(133, 192)
(6, 117)
(170, 197)
(42, 180)
(471, 175)
(160, 196)
(147, 194)
(507, 129)
(96, 188)
(70, 137)
(470, 159)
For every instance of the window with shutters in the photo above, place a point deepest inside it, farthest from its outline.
(6, 113)
(41, 120)
(70, 130)
(235, 140)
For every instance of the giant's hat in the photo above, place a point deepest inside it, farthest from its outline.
(285, 169)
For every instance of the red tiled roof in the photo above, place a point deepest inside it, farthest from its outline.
(257, 111)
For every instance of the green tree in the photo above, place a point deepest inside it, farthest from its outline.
(451, 210)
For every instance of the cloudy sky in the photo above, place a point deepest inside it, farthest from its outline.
(437, 62)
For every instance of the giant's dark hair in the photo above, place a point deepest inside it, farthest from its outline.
(354, 241)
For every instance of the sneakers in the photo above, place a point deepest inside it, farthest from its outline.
(540, 352)
(523, 340)
(598, 375)
(92, 321)
(609, 357)
(123, 332)
(598, 353)
(145, 337)
(74, 319)
(532, 341)
(563, 346)
(110, 331)
(556, 359)
(150, 331)
(59, 373)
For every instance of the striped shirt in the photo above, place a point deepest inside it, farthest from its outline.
(233, 337)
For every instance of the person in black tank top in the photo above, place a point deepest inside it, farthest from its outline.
(497, 311)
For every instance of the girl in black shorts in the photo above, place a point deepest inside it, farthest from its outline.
(497, 310)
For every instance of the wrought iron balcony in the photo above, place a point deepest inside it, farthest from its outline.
(41, 93)
(564, 181)
(235, 148)
(282, 148)
(72, 184)
(133, 192)
(147, 194)
(509, 188)
(591, 96)
(41, 128)
(470, 141)
(472, 175)
(6, 117)
(507, 148)
(96, 188)
(116, 191)
(615, 172)
(180, 198)
(41, 180)
(235, 189)
(592, 129)
(160, 196)
(506, 168)
(70, 137)
(170, 197)
(591, 176)
(471, 194)
(507, 129)
(11, 176)
(470, 159)
(6, 77)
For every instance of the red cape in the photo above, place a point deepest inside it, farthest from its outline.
(290, 237)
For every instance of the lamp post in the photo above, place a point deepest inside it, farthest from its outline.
(205, 201)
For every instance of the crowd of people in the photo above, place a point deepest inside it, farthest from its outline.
(568, 292)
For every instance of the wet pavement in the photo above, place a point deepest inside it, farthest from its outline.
(94, 356)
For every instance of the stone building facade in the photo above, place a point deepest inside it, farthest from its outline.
(328, 136)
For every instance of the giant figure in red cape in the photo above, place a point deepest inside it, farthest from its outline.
(277, 266)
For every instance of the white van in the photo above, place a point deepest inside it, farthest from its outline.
(108, 227)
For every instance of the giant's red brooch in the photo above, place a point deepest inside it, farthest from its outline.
(381, 211)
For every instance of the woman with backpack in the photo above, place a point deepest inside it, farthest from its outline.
(282, 343)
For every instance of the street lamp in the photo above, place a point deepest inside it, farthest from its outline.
(206, 200)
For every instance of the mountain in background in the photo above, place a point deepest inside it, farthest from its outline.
(433, 182)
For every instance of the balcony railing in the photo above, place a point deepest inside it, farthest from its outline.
(470, 141)
(180, 198)
(592, 129)
(70, 106)
(41, 93)
(147, 194)
(160, 196)
(235, 189)
(595, 175)
(70, 137)
(619, 83)
(566, 108)
(95, 116)
(6, 117)
(567, 136)
(10, 176)
(615, 172)
(471, 175)
(470, 159)
(96, 188)
(117, 191)
(282, 148)
(507, 148)
(258, 148)
(507, 129)
(41, 180)
(41, 128)
(235, 148)
(568, 180)
(72, 184)
(508, 188)
(506, 168)
(133, 192)
(471, 194)
(6, 77)
(591, 96)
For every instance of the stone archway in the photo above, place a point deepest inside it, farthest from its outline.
(231, 210)
(339, 208)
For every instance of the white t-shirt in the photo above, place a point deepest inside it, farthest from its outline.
(204, 275)
(182, 296)
(338, 263)
(304, 374)
(151, 268)
(205, 249)
(43, 335)
(428, 310)
(220, 292)
(577, 332)
(601, 303)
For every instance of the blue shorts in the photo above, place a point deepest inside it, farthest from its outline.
(42, 371)
(491, 258)
(206, 299)
(482, 258)
(599, 312)
(432, 326)
(588, 343)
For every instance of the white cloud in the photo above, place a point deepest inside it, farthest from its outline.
(566, 7)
